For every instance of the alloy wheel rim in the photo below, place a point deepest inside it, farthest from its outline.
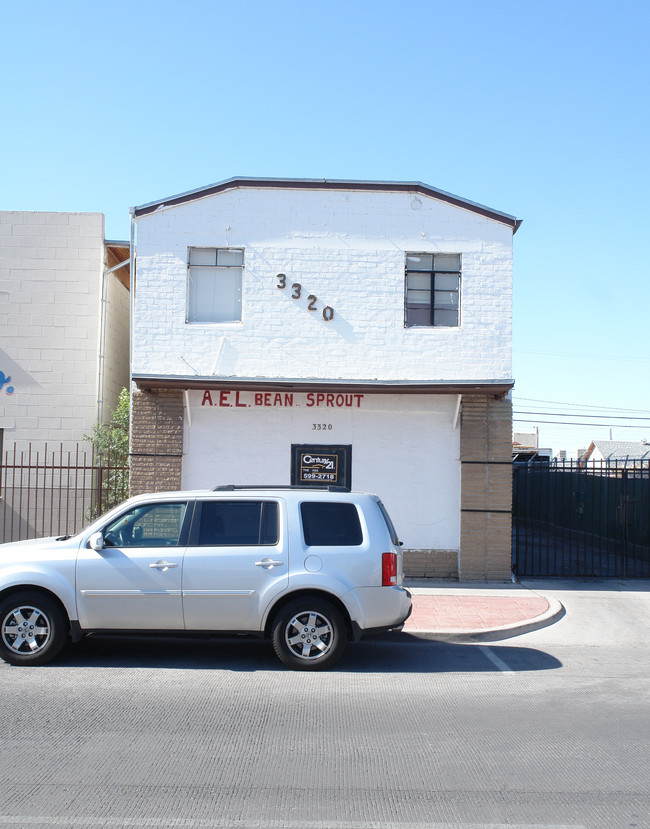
(26, 630)
(309, 635)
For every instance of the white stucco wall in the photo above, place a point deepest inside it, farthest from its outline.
(404, 448)
(345, 248)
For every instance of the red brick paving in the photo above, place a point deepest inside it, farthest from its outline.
(458, 613)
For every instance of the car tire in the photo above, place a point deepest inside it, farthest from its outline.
(33, 629)
(309, 634)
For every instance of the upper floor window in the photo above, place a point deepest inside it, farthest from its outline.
(214, 284)
(432, 289)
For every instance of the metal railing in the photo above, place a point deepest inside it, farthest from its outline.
(52, 492)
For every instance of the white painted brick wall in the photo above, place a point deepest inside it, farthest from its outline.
(347, 248)
(50, 284)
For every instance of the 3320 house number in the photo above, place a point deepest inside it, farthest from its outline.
(296, 288)
(320, 427)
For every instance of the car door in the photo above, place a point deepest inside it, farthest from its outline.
(236, 562)
(134, 581)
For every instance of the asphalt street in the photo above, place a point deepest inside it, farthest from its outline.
(547, 729)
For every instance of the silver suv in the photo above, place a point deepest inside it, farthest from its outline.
(307, 568)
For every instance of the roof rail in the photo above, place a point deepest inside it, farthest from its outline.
(233, 487)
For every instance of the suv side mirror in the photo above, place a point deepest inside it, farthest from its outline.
(96, 542)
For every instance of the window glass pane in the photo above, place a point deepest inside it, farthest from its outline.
(203, 256)
(445, 318)
(236, 523)
(445, 299)
(230, 257)
(446, 282)
(447, 261)
(418, 280)
(149, 525)
(418, 297)
(418, 315)
(330, 525)
(214, 294)
(419, 261)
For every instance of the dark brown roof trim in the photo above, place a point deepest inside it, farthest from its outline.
(491, 387)
(329, 184)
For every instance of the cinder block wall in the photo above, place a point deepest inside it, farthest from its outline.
(486, 489)
(156, 441)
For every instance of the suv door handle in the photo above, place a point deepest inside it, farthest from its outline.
(163, 565)
(268, 562)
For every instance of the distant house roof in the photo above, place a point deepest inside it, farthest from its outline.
(328, 184)
(619, 450)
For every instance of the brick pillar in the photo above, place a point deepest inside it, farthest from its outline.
(156, 441)
(486, 488)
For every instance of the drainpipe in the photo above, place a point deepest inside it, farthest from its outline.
(102, 335)
(131, 314)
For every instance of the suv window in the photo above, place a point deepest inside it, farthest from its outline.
(326, 524)
(147, 525)
(231, 523)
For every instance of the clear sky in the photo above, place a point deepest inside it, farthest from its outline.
(537, 109)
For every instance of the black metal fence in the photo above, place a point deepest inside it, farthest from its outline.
(45, 492)
(576, 519)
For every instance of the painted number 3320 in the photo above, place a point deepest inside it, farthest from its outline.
(296, 288)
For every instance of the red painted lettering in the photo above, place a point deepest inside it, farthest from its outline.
(223, 398)
(359, 398)
(310, 400)
(259, 399)
(288, 400)
(319, 399)
(207, 399)
(267, 399)
(237, 402)
(340, 400)
(330, 399)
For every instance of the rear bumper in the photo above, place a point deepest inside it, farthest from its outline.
(387, 611)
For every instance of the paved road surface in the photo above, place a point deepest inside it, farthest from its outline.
(547, 729)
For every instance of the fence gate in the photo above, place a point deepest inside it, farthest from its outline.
(45, 492)
(581, 520)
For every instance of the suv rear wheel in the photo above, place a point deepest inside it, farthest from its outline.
(309, 634)
(33, 629)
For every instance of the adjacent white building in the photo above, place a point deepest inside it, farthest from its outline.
(343, 332)
(64, 337)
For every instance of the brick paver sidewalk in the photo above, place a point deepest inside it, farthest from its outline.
(472, 613)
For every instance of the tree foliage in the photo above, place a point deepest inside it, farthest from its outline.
(110, 442)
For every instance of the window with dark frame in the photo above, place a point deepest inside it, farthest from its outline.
(214, 285)
(432, 290)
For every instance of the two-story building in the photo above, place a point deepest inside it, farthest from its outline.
(292, 331)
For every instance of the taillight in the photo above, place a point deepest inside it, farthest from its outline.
(388, 569)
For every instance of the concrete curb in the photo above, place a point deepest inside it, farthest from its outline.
(554, 613)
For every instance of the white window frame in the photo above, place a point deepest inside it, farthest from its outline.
(213, 310)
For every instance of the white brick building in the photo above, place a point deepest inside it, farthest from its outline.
(64, 337)
(355, 332)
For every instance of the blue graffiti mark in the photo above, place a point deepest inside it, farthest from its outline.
(3, 382)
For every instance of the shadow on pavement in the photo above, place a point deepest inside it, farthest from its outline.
(396, 653)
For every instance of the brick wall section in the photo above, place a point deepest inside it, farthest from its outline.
(156, 441)
(431, 564)
(486, 488)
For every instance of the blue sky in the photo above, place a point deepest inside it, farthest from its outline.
(537, 109)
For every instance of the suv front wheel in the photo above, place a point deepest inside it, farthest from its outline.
(309, 634)
(32, 629)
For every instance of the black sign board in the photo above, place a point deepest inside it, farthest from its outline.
(317, 464)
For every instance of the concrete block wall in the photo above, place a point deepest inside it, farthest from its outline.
(156, 441)
(486, 488)
(50, 289)
(348, 250)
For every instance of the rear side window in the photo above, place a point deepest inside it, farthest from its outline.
(326, 524)
(232, 523)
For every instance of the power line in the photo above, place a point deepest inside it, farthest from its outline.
(581, 414)
(573, 423)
